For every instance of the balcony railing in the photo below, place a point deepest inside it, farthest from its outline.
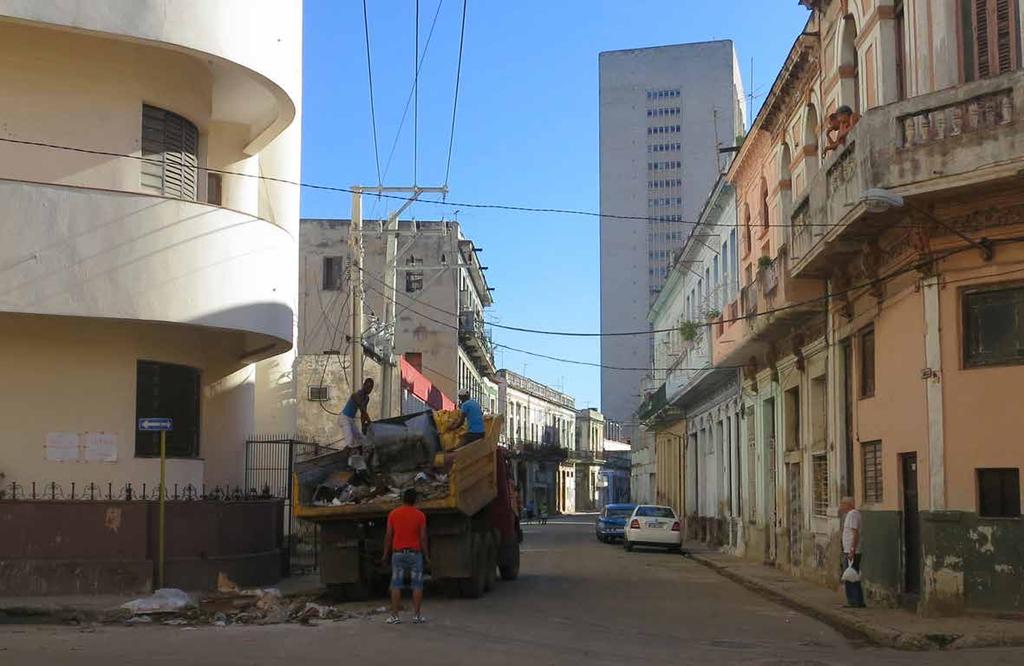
(769, 277)
(748, 299)
(473, 335)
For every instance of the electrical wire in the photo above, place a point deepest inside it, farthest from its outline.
(455, 103)
(408, 99)
(437, 202)
(369, 76)
(416, 98)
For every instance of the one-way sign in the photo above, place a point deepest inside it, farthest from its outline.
(155, 424)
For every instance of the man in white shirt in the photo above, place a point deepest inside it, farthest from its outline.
(851, 551)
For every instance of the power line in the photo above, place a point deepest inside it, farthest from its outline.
(408, 99)
(369, 76)
(416, 98)
(437, 202)
(455, 104)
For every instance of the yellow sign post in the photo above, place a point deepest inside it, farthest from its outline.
(161, 425)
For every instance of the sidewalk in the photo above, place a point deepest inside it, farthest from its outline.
(888, 627)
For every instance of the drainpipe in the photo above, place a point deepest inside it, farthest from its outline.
(932, 374)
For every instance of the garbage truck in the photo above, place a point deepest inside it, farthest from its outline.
(467, 492)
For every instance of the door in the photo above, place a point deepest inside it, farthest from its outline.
(793, 483)
(911, 525)
(770, 500)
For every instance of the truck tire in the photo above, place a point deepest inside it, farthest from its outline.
(473, 587)
(491, 563)
(508, 561)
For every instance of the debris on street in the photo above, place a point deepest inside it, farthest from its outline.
(164, 600)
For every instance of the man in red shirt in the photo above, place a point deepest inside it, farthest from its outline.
(406, 544)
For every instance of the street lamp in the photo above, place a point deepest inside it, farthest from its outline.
(879, 200)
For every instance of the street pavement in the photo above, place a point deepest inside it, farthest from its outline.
(576, 600)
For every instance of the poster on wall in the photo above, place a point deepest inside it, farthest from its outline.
(61, 446)
(100, 447)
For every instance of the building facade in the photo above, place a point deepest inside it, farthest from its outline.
(589, 455)
(665, 112)
(540, 432)
(440, 295)
(878, 320)
(694, 414)
(148, 270)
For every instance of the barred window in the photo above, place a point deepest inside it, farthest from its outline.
(334, 268)
(993, 326)
(871, 458)
(170, 154)
(819, 463)
(319, 393)
(999, 493)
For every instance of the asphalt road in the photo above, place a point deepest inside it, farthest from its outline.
(577, 601)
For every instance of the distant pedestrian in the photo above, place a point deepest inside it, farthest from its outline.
(543, 513)
(852, 551)
(531, 511)
(406, 543)
(352, 435)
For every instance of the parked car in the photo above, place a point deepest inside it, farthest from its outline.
(654, 526)
(611, 522)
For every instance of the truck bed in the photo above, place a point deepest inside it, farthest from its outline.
(472, 482)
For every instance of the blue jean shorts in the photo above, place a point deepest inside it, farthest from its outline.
(407, 562)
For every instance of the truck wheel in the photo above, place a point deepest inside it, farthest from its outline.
(473, 587)
(491, 562)
(508, 562)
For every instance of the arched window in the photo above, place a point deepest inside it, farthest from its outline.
(747, 240)
(764, 204)
(811, 143)
(849, 65)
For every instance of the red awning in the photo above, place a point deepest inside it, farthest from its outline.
(421, 387)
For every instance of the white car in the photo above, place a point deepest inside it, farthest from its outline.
(654, 526)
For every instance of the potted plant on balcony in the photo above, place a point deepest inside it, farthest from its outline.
(689, 330)
(713, 314)
(764, 262)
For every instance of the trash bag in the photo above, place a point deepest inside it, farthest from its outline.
(851, 575)
(164, 600)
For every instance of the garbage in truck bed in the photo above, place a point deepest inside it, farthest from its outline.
(395, 454)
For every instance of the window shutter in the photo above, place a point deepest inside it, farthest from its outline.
(995, 37)
(170, 146)
(981, 37)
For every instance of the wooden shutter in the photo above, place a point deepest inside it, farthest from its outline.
(170, 146)
(995, 34)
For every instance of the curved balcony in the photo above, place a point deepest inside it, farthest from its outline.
(97, 253)
(253, 54)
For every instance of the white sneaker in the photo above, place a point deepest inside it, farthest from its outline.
(419, 619)
(394, 619)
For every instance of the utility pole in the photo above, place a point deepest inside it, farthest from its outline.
(390, 281)
(355, 286)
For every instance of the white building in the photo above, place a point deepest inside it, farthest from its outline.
(143, 277)
(695, 413)
(665, 112)
(589, 454)
(440, 296)
(540, 430)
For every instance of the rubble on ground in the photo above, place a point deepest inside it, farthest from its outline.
(230, 605)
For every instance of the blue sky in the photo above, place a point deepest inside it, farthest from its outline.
(526, 133)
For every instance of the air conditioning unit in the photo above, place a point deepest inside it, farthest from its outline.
(319, 393)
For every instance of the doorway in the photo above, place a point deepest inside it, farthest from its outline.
(770, 503)
(911, 525)
(793, 482)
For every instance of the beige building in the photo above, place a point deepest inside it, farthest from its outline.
(589, 455)
(540, 430)
(137, 279)
(880, 313)
(440, 296)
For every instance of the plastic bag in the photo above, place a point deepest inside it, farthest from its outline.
(851, 575)
(164, 600)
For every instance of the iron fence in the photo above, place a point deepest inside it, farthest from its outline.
(125, 492)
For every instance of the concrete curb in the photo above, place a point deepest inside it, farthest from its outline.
(860, 627)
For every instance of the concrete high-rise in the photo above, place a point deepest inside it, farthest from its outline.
(665, 112)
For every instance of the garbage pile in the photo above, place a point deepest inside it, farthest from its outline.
(227, 606)
(394, 455)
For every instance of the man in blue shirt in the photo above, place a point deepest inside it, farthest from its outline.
(473, 416)
(351, 434)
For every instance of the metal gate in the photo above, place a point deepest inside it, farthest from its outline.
(269, 461)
